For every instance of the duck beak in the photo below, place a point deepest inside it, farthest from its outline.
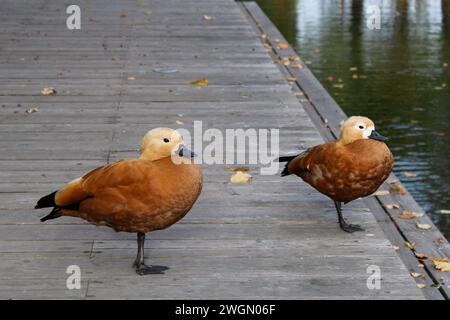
(185, 152)
(376, 136)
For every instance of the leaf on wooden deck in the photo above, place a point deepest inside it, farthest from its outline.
(421, 256)
(410, 245)
(282, 46)
(441, 264)
(179, 122)
(423, 226)
(417, 275)
(131, 78)
(381, 193)
(395, 187)
(421, 285)
(48, 91)
(240, 178)
(207, 18)
(200, 82)
(408, 215)
(393, 206)
(32, 110)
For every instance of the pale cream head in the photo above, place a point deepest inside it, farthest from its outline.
(160, 143)
(356, 128)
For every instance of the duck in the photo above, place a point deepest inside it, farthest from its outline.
(352, 167)
(138, 196)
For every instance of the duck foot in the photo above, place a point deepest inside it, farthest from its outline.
(143, 269)
(347, 227)
(350, 228)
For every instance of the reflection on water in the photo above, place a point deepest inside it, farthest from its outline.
(398, 76)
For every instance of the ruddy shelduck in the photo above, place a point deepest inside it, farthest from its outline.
(347, 169)
(135, 195)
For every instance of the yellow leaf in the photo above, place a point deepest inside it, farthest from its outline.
(283, 46)
(240, 177)
(393, 186)
(423, 226)
(420, 256)
(47, 91)
(441, 264)
(200, 82)
(381, 193)
(421, 285)
(410, 245)
(416, 274)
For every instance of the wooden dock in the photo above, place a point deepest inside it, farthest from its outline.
(275, 238)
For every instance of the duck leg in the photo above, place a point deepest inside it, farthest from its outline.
(141, 267)
(344, 225)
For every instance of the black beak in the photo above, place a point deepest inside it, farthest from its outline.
(185, 152)
(376, 136)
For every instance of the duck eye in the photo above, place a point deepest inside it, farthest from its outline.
(361, 127)
(166, 140)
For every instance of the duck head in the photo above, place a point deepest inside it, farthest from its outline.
(163, 142)
(356, 128)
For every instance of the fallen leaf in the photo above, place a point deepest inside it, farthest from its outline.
(441, 264)
(409, 174)
(329, 78)
(131, 78)
(420, 265)
(32, 110)
(207, 18)
(298, 66)
(381, 193)
(353, 69)
(291, 78)
(406, 215)
(294, 58)
(240, 178)
(416, 274)
(396, 248)
(445, 65)
(339, 86)
(410, 245)
(179, 122)
(440, 240)
(48, 91)
(393, 186)
(355, 76)
(200, 82)
(283, 46)
(393, 206)
(421, 285)
(423, 226)
(420, 256)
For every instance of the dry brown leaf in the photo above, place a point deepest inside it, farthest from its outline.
(355, 76)
(393, 206)
(283, 46)
(200, 82)
(240, 178)
(48, 91)
(291, 78)
(407, 215)
(294, 58)
(381, 193)
(410, 245)
(421, 285)
(416, 274)
(32, 110)
(393, 186)
(441, 264)
(242, 169)
(420, 256)
(423, 226)
(409, 174)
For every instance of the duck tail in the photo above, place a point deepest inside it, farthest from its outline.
(286, 159)
(52, 215)
(47, 201)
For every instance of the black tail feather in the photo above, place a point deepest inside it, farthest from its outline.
(287, 159)
(52, 215)
(46, 202)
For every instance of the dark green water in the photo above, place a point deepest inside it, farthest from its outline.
(402, 83)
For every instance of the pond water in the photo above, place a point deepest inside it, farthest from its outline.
(398, 75)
